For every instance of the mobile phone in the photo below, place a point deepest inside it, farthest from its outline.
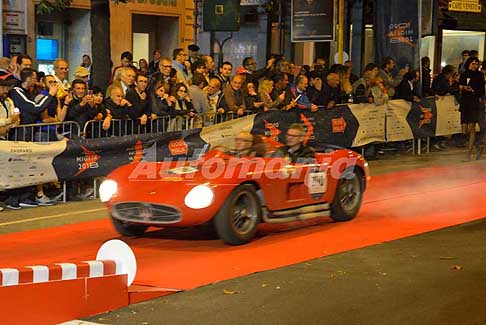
(90, 92)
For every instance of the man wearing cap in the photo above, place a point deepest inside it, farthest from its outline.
(81, 73)
(4, 65)
(193, 53)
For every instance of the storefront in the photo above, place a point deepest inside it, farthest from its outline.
(250, 40)
(139, 26)
(462, 26)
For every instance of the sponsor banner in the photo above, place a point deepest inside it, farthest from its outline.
(98, 157)
(397, 127)
(28, 163)
(313, 20)
(448, 116)
(422, 118)
(371, 119)
(337, 126)
(406, 120)
(397, 31)
(223, 134)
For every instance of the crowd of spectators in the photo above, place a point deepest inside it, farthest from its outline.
(189, 86)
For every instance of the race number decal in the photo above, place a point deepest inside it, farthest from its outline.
(317, 183)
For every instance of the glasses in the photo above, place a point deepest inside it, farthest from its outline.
(167, 66)
(52, 82)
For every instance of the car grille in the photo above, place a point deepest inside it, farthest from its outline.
(146, 212)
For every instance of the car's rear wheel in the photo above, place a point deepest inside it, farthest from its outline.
(237, 220)
(128, 229)
(349, 195)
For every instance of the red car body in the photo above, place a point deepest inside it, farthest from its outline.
(154, 193)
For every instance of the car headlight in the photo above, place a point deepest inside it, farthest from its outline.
(199, 197)
(108, 188)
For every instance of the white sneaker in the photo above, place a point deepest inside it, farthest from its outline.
(88, 192)
(44, 200)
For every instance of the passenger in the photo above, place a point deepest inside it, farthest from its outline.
(249, 145)
(295, 149)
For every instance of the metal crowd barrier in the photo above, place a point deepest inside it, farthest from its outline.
(44, 132)
(94, 129)
(216, 118)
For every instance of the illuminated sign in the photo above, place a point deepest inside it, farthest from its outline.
(465, 6)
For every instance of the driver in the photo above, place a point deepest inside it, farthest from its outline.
(248, 145)
(295, 149)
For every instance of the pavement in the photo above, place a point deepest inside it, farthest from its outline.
(433, 278)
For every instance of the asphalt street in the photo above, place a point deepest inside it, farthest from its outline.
(433, 278)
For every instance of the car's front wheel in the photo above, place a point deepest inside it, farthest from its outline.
(128, 229)
(237, 220)
(349, 195)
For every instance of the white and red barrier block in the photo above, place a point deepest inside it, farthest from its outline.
(59, 271)
(64, 291)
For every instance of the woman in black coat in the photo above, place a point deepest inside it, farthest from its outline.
(471, 86)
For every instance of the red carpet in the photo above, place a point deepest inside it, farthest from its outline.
(396, 205)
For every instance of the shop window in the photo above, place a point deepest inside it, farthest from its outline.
(427, 47)
(455, 41)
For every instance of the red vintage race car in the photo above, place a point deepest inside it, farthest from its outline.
(234, 194)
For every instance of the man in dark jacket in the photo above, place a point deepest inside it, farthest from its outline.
(442, 84)
(77, 104)
(281, 82)
(23, 97)
(407, 89)
(295, 149)
(426, 78)
(138, 97)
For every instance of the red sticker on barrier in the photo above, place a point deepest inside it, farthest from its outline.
(178, 147)
(338, 125)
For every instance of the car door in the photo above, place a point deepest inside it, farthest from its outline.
(285, 185)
